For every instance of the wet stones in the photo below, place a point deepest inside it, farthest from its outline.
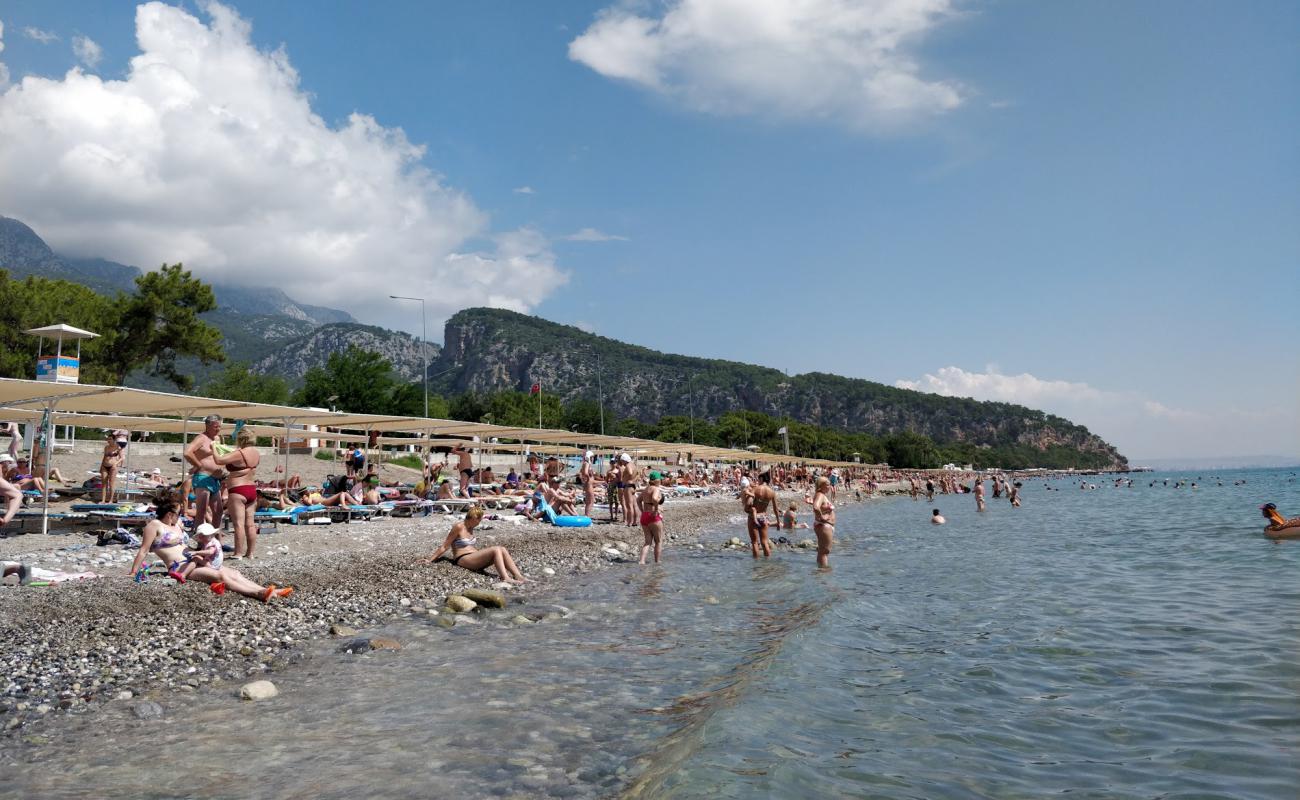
(484, 597)
(258, 690)
(148, 710)
(460, 604)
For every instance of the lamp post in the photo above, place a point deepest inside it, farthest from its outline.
(690, 383)
(424, 346)
(600, 396)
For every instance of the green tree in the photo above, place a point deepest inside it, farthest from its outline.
(36, 302)
(360, 380)
(236, 382)
(160, 322)
(911, 450)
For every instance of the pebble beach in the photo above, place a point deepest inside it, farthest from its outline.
(72, 648)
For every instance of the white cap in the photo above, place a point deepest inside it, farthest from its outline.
(744, 482)
(206, 529)
(590, 454)
(625, 458)
(157, 471)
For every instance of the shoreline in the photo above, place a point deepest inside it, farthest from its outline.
(74, 648)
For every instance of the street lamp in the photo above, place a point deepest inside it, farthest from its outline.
(424, 346)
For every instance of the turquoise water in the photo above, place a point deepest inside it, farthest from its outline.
(1112, 643)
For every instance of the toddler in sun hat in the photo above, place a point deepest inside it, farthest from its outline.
(207, 554)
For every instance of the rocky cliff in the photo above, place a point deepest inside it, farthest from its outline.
(490, 350)
(293, 357)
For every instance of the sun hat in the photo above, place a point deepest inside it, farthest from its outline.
(656, 475)
(625, 458)
(590, 454)
(5, 458)
(206, 529)
(157, 471)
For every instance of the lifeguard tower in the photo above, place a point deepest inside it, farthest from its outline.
(58, 366)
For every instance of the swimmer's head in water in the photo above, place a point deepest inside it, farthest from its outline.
(936, 513)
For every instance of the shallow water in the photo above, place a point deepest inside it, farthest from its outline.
(1111, 643)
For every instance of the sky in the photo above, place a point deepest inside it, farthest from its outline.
(1088, 208)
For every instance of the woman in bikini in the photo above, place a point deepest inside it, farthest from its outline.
(164, 538)
(241, 486)
(465, 553)
(652, 521)
(823, 520)
(114, 451)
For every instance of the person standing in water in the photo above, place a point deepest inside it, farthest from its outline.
(1014, 495)
(755, 500)
(979, 494)
(652, 521)
(823, 509)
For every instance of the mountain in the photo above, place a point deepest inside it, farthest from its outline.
(23, 253)
(290, 359)
(491, 350)
(254, 322)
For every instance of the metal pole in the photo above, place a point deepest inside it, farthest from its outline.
(49, 456)
(690, 382)
(424, 350)
(600, 396)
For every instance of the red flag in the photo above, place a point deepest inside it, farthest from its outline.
(537, 389)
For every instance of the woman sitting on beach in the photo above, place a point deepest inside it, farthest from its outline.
(1279, 527)
(164, 538)
(465, 553)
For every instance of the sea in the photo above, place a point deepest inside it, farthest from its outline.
(1107, 642)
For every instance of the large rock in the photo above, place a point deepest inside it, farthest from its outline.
(485, 597)
(258, 690)
(460, 603)
(342, 630)
(147, 709)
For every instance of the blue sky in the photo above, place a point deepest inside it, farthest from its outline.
(1088, 207)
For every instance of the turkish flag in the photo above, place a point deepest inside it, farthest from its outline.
(537, 389)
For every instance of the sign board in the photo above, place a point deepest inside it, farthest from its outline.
(58, 369)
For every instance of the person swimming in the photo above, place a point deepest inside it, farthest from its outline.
(937, 518)
(1279, 527)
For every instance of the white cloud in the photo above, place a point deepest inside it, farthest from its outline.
(44, 37)
(87, 51)
(524, 190)
(593, 235)
(850, 61)
(1137, 425)
(208, 152)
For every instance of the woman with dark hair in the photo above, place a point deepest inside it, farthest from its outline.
(164, 538)
(465, 551)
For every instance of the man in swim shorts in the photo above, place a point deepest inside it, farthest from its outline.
(464, 463)
(206, 472)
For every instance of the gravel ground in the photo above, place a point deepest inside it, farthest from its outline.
(72, 647)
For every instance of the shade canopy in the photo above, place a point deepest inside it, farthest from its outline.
(61, 331)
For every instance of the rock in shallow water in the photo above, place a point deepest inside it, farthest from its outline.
(258, 690)
(147, 710)
(484, 597)
(460, 603)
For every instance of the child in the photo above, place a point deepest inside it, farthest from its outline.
(208, 553)
(790, 515)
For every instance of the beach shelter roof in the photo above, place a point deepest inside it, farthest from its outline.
(62, 331)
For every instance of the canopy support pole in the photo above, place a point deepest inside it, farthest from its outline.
(47, 425)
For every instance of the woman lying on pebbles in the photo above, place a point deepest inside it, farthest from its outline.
(464, 553)
(164, 538)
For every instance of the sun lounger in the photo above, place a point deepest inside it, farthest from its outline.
(28, 520)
